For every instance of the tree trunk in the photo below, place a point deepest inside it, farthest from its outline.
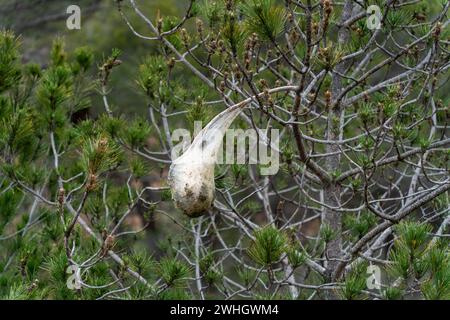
(332, 191)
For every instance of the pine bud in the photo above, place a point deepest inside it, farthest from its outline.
(185, 37)
(328, 97)
(366, 97)
(108, 244)
(92, 183)
(437, 30)
(247, 63)
(315, 27)
(33, 285)
(171, 63)
(159, 25)
(290, 18)
(263, 83)
(102, 145)
(293, 36)
(199, 24)
(229, 5)
(270, 101)
(213, 46)
(328, 8)
(220, 44)
(61, 194)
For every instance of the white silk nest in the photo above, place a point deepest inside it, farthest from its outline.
(191, 176)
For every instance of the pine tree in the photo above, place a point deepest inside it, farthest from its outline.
(363, 173)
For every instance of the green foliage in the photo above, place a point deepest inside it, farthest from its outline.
(166, 195)
(84, 58)
(54, 88)
(222, 180)
(360, 225)
(437, 286)
(56, 266)
(413, 234)
(9, 64)
(58, 55)
(111, 125)
(330, 56)
(138, 167)
(60, 151)
(99, 155)
(213, 11)
(366, 112)
(168, 24)
(234, 33)
(392, 293)
(268, 247)
(207, 267)
(396, 18)
(246, 276)
(17, 131)
(238, 170)
(174, 294)
(174, 272)
(355, 283)
(252, 206)
(264, 18)
(8, 202)
(327, 233)
(33, 70)
(22, 291)
(296, 256)
(427, 263)
(136, 133)
(197, 112)
(151, 73)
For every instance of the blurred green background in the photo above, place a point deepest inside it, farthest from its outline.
(39, 22)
